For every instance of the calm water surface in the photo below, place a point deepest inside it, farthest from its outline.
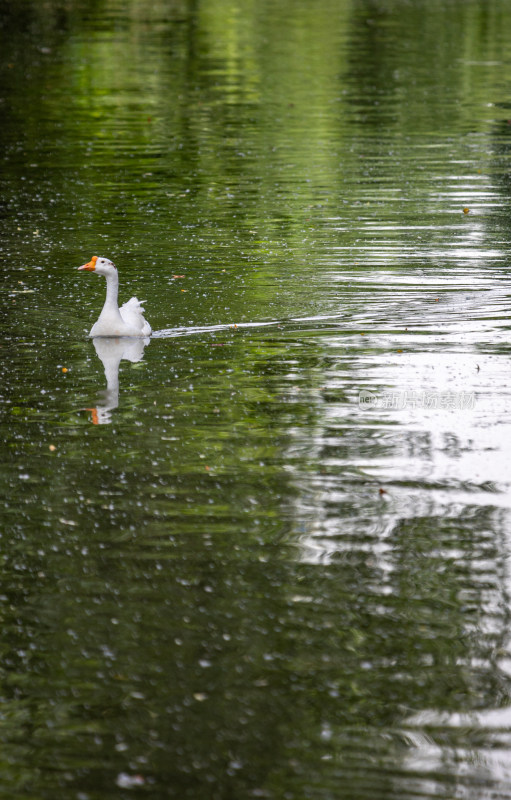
(267, 553)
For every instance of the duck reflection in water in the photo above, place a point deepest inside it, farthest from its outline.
(111, 351)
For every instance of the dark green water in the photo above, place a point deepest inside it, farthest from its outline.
(267, 555)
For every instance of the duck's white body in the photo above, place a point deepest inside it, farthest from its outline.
(128, 320)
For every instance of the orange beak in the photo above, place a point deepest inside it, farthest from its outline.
(94, 416)
(91, 265)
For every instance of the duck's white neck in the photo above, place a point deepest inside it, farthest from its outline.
(112, 292)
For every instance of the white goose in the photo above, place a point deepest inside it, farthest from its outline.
(128, 320)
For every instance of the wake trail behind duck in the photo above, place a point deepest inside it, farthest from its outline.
(171, 333)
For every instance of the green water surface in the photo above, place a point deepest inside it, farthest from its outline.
(265, 554)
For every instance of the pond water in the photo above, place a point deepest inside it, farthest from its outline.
(267, 552)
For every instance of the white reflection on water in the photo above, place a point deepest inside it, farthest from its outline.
(111, 351)
(469, 766)
(435, 437)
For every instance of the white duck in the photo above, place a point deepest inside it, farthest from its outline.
(128, 320)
